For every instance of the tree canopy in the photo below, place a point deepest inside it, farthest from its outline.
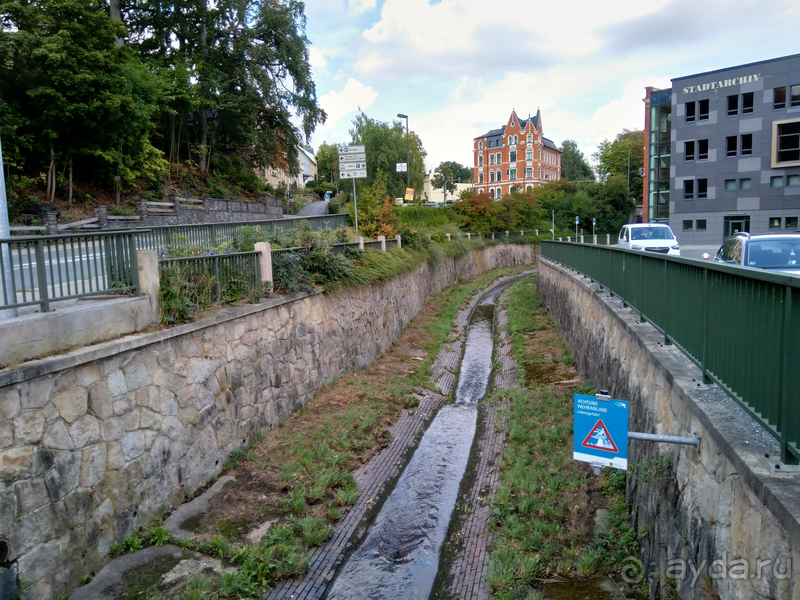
(117, 90)
(385, 146)
(573, 164)
(450, 171)
(612, 159)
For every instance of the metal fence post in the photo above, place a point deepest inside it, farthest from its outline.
(44, 296)
(787, 457)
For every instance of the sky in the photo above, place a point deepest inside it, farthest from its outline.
(458, 68)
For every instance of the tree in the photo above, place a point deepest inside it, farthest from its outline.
(450, 171)
(573, 164)
(385, 146)
(481, 213)
(328, 162)
(612, 159)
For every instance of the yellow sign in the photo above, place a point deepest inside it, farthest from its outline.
(409, 194)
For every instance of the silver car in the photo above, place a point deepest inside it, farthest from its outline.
(776, 252)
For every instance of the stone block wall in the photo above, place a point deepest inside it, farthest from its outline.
(94, 442)
(717, 523)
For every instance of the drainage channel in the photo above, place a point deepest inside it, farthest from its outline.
(399, 557)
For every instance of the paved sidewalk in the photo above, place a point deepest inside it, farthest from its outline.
(377, 477)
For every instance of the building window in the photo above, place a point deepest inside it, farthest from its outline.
(480, 177)
(529, 154)
(776, 181)
(480, 160)
(498, 176)
(747, 144)
(530, 138)
(690, 114)
(529, 173)
(480, 145)
(688, 148)
(687, 224)
(499, 158)
(730, 185)
(491, 159)
(688, 189)
(775, 222)
(702, 189)
(702, 150)
(513, 174)
(793, 181)
(491, 176)
(779, 98)
(791, 222)
(745, 184)
(491, 193)
(731, 144)
(795, 95)
(700, 225)
(747, 103)
(786, 142)
(702, 110)
(499, 193)
(733, 105)
(512, 156)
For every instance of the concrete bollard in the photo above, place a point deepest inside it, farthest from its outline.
(506, 233)
(399, 241)
(101, 212)
(493, 235)
(382, 240)
(448, 236)
(149, 281)
(469, 236)
(265, 261)
(360, 240)
(51, 223)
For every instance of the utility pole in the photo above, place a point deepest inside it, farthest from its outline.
(5, 232)
(408, 152)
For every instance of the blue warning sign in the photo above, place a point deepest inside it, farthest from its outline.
(601, 431)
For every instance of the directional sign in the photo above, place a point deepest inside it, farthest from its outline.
(600, 435)
(351, 149)
(354, 174)
(327, 195)
(354, 157)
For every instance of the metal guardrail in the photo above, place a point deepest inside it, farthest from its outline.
(391, 243)
(738, 324)
(62, 267)
(374, 245)
(210, 234)
(231, 276)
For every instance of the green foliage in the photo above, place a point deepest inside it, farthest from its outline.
(160, 536)
(232, 459)
(131, 544)
(386, 145)
(450, 171)
(288, 273)
(481, 214)
(573, 164)
(614, 158)
(327, 158)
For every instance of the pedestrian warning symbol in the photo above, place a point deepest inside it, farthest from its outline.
(600, 439)
(600, 436)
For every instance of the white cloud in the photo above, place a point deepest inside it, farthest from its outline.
(316, 57)
(360, 6)
(340, 106)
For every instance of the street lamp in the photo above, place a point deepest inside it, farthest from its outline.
(444, 187)
(408, 152)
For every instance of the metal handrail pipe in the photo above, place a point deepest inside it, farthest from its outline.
(666, 439)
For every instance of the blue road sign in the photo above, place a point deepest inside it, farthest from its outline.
(327, 195)
(600, 434)
(577, 219)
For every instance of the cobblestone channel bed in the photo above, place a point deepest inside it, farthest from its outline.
(466, 578)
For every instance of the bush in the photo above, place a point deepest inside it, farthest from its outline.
(288, 273)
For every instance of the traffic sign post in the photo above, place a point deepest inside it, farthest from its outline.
(353, 165)
(600, 434)
(577, 220)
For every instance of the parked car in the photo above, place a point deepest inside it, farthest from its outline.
(649, 237)
(775, 252)
(431, 204)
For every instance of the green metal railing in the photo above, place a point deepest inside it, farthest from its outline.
(231, 276)
(210, 234)
(63, 267)
(738, 324)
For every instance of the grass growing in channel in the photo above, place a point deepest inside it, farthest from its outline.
(541, 512)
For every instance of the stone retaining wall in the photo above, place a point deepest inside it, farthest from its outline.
(711, 524)
(94, 442)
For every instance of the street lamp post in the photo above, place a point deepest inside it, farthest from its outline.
(408, 152)
(444, 187)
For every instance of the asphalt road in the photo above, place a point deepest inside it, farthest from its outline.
(314, 209)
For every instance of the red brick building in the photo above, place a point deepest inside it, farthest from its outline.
(516, 156)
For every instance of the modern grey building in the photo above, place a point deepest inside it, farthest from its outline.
(723, 151)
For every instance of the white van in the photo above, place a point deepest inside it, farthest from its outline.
(649, 237)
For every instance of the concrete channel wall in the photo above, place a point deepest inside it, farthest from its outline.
(717, 523)
(95, 441)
